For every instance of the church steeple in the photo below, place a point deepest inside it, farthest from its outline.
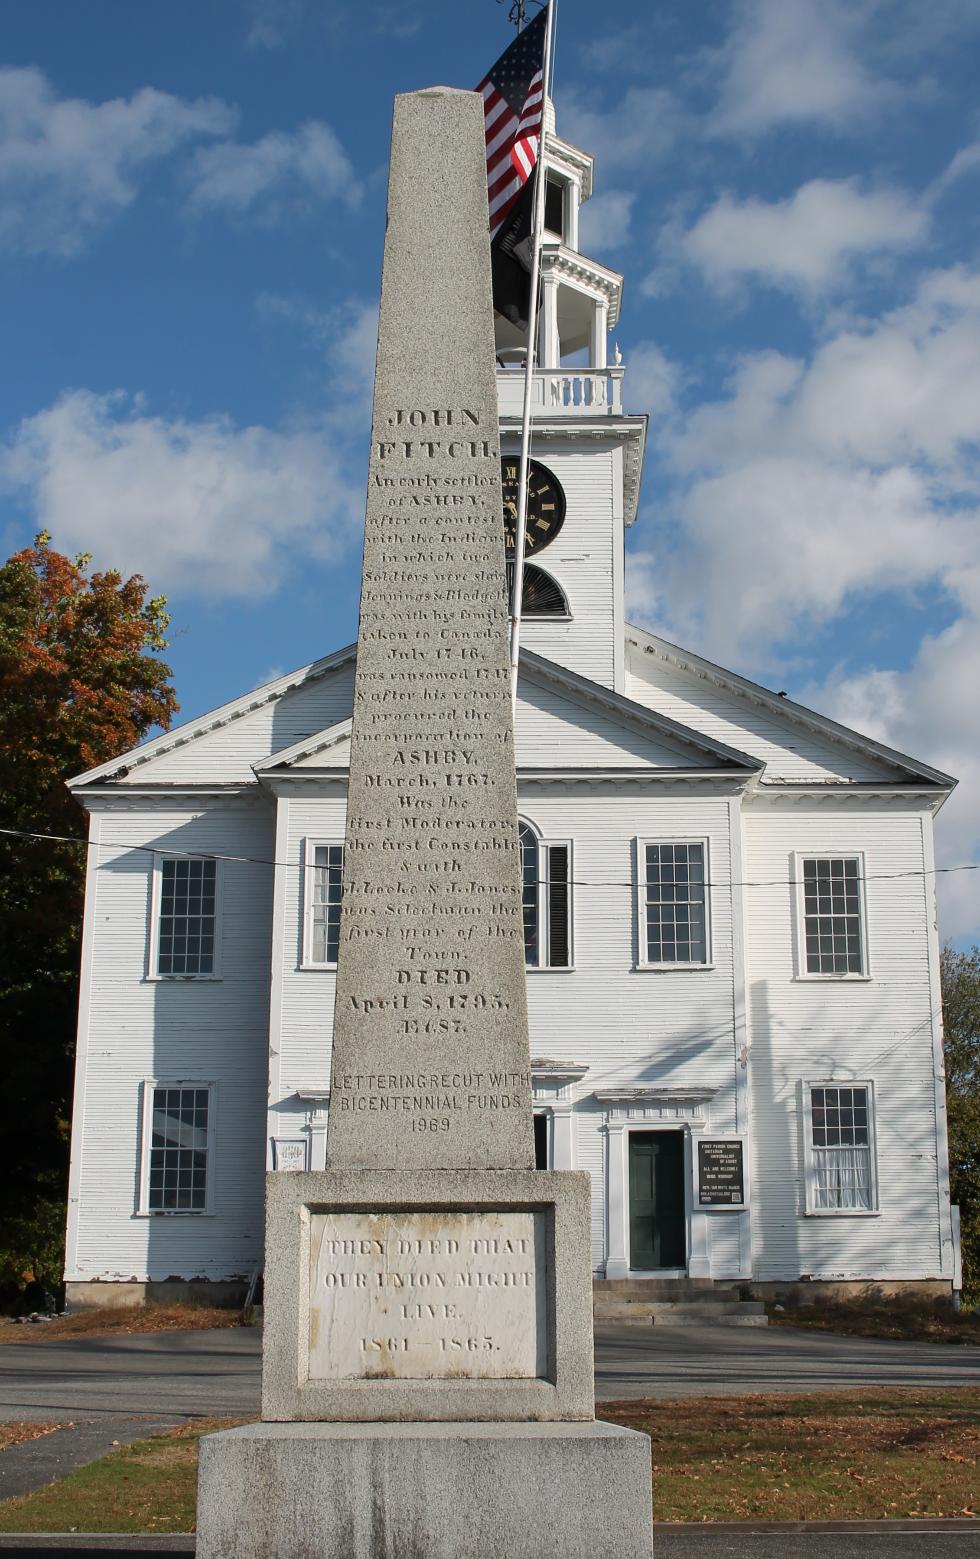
(587, 453)
(580, 298)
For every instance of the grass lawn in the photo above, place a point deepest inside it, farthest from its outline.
(149, 1486)
(912, 1320)
(102, 1323)
(832, 1456)
(835, 1456)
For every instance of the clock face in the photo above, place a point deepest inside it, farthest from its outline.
(545, 505)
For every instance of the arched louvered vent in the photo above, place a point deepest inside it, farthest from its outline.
(543, 596)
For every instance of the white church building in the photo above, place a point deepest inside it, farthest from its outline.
(730, 924)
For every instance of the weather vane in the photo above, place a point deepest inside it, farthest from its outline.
(518, 10)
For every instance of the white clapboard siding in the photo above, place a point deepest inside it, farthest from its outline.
(212, 1031)
(790, 751)
(552, 730)
(581, 560)
(882, 1029)
(226, 753)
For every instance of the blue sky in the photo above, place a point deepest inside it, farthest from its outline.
(191, 219)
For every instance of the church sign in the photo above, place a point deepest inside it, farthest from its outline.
(721, 1173)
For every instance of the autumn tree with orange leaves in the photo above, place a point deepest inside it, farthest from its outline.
(80, 681)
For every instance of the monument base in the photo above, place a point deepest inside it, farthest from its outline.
(425, 1491)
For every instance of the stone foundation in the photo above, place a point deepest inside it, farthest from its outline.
(824, 1291)
(173, 1291)
(445, 1491)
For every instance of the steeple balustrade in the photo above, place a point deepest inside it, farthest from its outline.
(585, 392)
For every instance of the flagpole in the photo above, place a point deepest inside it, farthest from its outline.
(517, 599)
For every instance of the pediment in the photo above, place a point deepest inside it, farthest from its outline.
(564, 723)
(796, 745)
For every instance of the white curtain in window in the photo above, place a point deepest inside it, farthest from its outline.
(843, 1177)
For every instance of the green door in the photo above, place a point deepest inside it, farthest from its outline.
(657, 1236)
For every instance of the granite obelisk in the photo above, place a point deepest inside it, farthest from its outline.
(427, 1362)
(430, 1046)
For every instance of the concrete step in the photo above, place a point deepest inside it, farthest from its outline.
(715, 1312)
(670, 1289)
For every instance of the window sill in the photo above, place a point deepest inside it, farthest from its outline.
(186, 979)
(843, 1212)
(549, 968)
(833, 979)
(639, 968)
(172, 1212)
(306, 968)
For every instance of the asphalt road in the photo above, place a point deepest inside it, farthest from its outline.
(937, 1543)
(186, 1375)
(123, 1387)
(729, 1361)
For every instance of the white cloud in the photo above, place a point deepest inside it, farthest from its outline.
(279, 170)
(795, 62)
(205, 507)
(604, 223)
(635, 134)
(346, 336)
(272, 22)
(68, 166)
(966, 161)
(807, 243)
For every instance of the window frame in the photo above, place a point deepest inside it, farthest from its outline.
(153, 971)
(545, 846)
(796, 874)
(561, 182)
(310, 846)
(642, 933)
(807, 1086)
(143, 1208)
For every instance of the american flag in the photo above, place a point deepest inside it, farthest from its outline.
(513, 101)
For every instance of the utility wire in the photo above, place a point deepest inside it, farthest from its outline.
(573, 882)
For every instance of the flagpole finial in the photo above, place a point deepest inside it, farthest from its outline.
(518, 11)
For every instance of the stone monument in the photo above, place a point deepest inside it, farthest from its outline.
(427, 1385)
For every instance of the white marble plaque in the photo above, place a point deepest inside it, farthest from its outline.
(427, 1295)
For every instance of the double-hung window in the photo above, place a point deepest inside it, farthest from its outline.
(840, 1144)
(674, 922)
(546, 878)
(831, 889)
(176, 1147)
(185, 935)
(324, 879)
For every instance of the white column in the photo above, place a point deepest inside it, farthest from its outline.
(573, 199)
(318, 1139)
(617, 1201)
(561, 1135)
(698, 1241)
(549, 346)
(600, 328)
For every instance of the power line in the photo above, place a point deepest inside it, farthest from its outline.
(575, 882)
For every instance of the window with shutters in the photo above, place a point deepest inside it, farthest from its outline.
(840, 1169)
(185, 917)
(177, 1128)
(673, 908)
(546, 877)
(324, 875)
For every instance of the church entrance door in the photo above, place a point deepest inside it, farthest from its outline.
(657, 1214)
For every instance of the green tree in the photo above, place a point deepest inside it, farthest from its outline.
(80, 681)
(961, 1025)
